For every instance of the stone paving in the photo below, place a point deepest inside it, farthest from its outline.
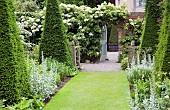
(110, 65)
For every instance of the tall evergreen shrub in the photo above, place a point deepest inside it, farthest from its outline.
(162, 55)
(151, 25)
(13, 75)
(54, 43)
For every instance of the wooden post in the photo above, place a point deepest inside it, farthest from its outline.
(74, 53)
(78, 55)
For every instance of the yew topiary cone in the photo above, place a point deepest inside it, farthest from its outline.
(162, 56)
(151, 26)
(54, 43)
(13, 75)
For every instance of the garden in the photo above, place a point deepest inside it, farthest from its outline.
(36, 55)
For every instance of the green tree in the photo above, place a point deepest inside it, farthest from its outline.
(151, 25)
(54, 42)
(94, 3)
(13, 74)
(162, 55)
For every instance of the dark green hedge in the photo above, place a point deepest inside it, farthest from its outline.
(152, 25)
(162, 55)
(54, 42)
(14, 78)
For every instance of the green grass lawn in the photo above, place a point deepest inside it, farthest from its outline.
(93, 91)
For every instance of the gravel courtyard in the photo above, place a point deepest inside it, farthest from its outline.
(108, 65)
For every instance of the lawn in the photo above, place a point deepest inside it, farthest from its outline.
(93, 91)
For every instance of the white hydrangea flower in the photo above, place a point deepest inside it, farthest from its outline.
(37, 20)
(69, 24)
(68, 9)
(33, 31)
(80, 27)
(31, 19)
(35, 24)
(91, 16)
(64, 21)
(33, 27)
(90, 34)
(82, 30)
(22, 17)
(43, 17)
(166, 97)
(85, 20)
(37, 29)
(39, 26)
(100, 14)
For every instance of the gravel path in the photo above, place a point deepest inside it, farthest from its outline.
(110, 65)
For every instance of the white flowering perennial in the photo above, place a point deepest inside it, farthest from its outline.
(43, 82)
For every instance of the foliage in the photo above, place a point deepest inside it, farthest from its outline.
(147, 92)
(54, 42)
(42, 80)
(76, 2)
(140, 71)
(27, 104)
(45, 77)
(85, 24)
(135, 28)
(26, 5)
(150, 102)
(134, 31)
(151, 25)
(113, 36)
(124, 63)
(13, 73)
(139, 75)
(120, 57)
(162, 57)
(30, 25)
(94, 3)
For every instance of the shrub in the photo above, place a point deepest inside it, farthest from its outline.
(42, 80)
(26, 6)
(140, 71)
(139, 75)
(45, 77)
(14, 77)
(162, 56)
(124, 63)
(151, 25)
(27, 104)
(54, 42)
